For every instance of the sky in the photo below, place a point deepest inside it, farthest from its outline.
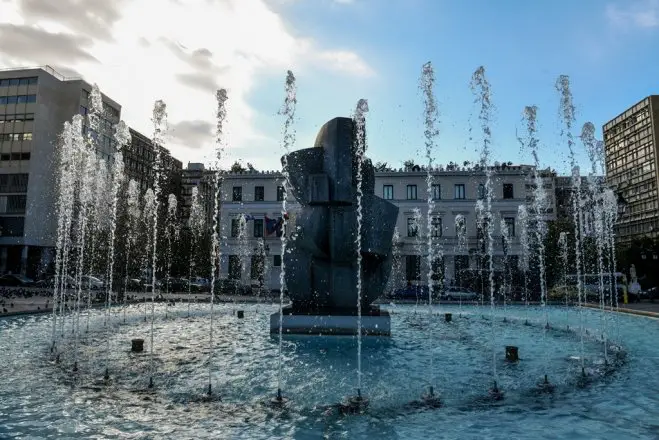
(182, 51)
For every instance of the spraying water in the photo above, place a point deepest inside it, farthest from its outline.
(159, 120)
(461, 247)
(134, 214)
(505, 243)
(418, 247)
(426, 84)
(523, 262)
(564, 253)
(172, 232)
(540, 201)
(481, 89)
(197, 223)
(360, 141)
(147, 217)
(288, 141)
(221, 98)
(566, 113)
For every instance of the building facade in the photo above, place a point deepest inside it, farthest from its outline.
(34, 104)
(257, 196)
(632, 158)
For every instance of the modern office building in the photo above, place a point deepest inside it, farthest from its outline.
(139, 159)
(632, 158)
(258, 195)
(34, 104)
(195, 176)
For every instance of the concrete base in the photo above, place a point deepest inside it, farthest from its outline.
(374, 323)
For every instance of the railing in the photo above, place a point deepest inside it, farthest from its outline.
(47, 69)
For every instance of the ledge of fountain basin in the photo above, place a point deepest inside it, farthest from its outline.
(332, 322)
(637, 312)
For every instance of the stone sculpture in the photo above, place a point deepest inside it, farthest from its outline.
(321, 261)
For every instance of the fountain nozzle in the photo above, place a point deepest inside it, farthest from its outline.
(106, 376)
(151, 382)
(75, 366)
(210, 390)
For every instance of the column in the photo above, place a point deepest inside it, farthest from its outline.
(24, 260)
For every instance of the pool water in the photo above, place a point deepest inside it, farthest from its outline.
(41, 398)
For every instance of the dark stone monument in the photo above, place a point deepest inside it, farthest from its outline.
(512, 353)
(137, 345)
(321, 258)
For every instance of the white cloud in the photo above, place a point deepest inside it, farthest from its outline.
(178, 51)
(635, 14)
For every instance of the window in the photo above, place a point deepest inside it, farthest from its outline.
(413, 267)
(461, 264)
(27, 136)
(276, 262)
(436, 226)
(235, 267)
(436, 192)
(235, 227)
(83, 110)
(12, 99)
(411, 192)
(258, 227)
(412, 227)
(11, 226)
(280, 193)
(16, 204)
(507, 190)
(438, 269)
(481, 191)
(25, 156)
(510, 224)
(14, 81)
(237, 193)
(259, 193)
(459, 191)
(388, 192)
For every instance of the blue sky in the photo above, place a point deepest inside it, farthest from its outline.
(341, 51)
(603, 46)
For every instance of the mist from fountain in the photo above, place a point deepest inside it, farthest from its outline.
(172, 232)
(523, 262)
(461, 246)
(418, 247)
(147, 218)
(505, 243)
(564, 254)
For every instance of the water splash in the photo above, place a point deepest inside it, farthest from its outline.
(480, 86)
(567, 117)
(505, 244)
(159, 120)
(564, 254)
(360, 149)
(221, 98)
(417, 220)
(149, 200)
(288, 111)
(172, 232)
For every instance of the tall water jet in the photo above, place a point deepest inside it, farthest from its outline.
(172, 233)
(97, 220)
(540, 202)
(505, 244)
(523, 262)
(564, 254)
(244, 249)
(87, 168)
(133, 215)
(481, 89)
(65, 198)
(417, 220)
(159, 120)
(360, 141)
(566, 114)
(216, 183)
(396, 279)
(430, 114)
(122, 138)
(461, 242)
(197, 223)
(147, 218)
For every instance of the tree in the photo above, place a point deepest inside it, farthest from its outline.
(237, 167)
(250, 167)
(381, 166)
(408, 164)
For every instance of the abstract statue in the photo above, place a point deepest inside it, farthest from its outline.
(321, 257)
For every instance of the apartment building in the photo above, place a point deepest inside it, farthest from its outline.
(632, 159)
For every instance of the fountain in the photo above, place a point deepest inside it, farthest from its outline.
(321, 260)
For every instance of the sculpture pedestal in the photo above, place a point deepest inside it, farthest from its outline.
(375, 322)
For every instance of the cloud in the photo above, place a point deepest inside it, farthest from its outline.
(191, 134)
(34, 45)
(639, 14)
(188, 49)
(93, 18)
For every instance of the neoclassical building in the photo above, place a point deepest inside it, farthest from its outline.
(251, 205)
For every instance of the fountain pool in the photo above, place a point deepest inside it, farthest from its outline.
(43, 399)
